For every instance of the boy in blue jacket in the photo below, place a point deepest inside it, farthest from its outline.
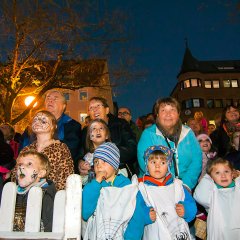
(111, 204)
(173, 204)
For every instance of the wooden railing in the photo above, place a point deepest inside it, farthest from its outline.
(66, 214)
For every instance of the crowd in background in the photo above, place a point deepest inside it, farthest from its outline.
(193, 151)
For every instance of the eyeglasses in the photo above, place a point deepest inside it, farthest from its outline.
(123, 113)
(93, 108)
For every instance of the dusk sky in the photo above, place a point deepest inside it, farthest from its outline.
(160, 28)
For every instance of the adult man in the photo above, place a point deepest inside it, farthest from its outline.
(125, 113)
(120, 132)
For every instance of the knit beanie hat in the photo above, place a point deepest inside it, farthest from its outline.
(203, 135)
(108, 152)
(167, 151)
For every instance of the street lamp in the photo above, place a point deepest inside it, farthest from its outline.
(28, 101)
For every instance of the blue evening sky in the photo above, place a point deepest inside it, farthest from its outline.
(160, 27)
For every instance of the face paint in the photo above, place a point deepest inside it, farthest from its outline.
(41, 122)
(28, 168)
(98, 133)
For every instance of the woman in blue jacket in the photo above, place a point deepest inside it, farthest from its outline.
(169, 131)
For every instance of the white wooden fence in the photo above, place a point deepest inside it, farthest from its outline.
(66, 214)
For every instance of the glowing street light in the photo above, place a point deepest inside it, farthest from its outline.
(28, 101)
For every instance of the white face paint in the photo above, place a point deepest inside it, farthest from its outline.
(41, 123)
(28, 169)
(98, 133)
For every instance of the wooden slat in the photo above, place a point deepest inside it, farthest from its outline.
(7, 208)
(73, 207)
(59, 212)
(34, 207)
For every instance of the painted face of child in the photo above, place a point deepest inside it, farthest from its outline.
(41, 123)
(29, 170)
(157, 167)
(205, 144)
(98, 133)
(222, 174)
(104, 169)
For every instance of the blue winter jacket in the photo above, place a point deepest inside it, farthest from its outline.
(188, 153)
(140, 218)
(190, 207)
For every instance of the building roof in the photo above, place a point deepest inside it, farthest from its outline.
(191, 64)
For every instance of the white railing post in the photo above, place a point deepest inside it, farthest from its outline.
(7, 209)
(34, 209)
(73, 207)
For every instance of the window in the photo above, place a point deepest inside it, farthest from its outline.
(215, 83)
(82, 117)
(218, 103)
(67, 96)
(208, 84)
(234, 83)
(189, 103)
(83, 95)
(228, 102)
(194, 82)
(226, 83)
(196, 102)
(210, 103)
(186, 84)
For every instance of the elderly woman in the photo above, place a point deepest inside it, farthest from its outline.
(230, 123)
(44, 125)
(169, 131)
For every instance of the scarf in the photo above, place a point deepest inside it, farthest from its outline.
(230, 127)
(174, 137)
(60, 125)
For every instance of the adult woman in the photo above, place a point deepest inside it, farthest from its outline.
(170, 132)
(230, 123)
(44, 125)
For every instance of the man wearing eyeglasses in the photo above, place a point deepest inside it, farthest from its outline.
(125, 113)
(121, 135)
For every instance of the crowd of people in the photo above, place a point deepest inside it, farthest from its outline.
(156, 178)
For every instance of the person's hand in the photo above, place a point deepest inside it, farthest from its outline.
(180, 210)
(83, 167)
(152, 214)
(236, 173)
(100, 176)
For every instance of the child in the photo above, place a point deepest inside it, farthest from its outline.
(206, 146)
(203, 121)
(109, 202)
(220, 195)
(97, 134)
(32, 170)
(173, 203)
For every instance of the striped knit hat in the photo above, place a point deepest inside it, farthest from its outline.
(108, 152)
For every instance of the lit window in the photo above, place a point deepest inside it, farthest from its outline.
(67, 96)
(82, 117)
(234, 83)
(215, 83)
(208, 84)
(194, 82)
(186, 84)
(196, 103)
(210, 103)
(218, 103)
(226, 83)
(83, 95)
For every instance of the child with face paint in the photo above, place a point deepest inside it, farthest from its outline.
(32, 170)
(172, 202)
(97, 134)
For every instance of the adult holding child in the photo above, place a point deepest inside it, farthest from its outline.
(169, 132)
(44, 125)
